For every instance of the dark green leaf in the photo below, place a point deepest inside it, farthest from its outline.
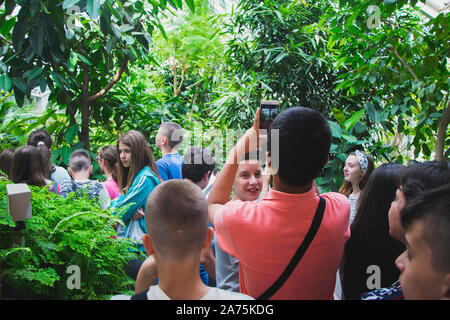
(33, 73)
(84, 59)
(191, 5)
(336, 129)
(7, 26)
(105, 22)
(49, 29)
(65, 154)
(5, 83)
(20, 84)
(69, 3)
(351, 139)
(350, 122)
(37, 39)
(42, 84)
(93, 7)
(20, 28)
(71, 133)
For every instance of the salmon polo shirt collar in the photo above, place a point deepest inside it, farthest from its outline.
(286, 200)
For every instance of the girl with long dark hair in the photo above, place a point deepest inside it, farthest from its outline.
(371, 248)
(137, 176)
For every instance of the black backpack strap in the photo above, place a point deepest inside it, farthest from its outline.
(299, 254)
(140, 296)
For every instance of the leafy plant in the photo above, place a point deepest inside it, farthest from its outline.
(77, 49)
(62, 233)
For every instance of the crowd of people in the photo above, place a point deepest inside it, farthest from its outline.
(258, 230)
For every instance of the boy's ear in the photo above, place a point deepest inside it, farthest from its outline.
(164, 141)
(206, 176)
(446, 288)
(148, 244)
(70, 171)
(269, 163)
(209, 237)
(90, 169)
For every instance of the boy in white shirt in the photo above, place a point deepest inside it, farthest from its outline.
(177, 233)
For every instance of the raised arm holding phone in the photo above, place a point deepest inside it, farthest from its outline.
(273, 236)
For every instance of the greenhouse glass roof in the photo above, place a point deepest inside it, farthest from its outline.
(433, 8)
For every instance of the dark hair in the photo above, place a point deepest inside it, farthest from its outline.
(174, 133)
(141, 157)
(27, 167)
(39, 135)
(34, 140)
(419, 177)
(79, 160)
(6, 157)
(47, 166)
(109, 154)
(304, 139)
(370, 242)
(432, 207)
(347, 187)
(197, 162)
(177, 228)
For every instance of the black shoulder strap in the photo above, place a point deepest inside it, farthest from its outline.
(140, 296)
(299, 254)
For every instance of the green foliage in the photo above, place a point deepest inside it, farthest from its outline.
(278, 51)
(77, 49)
(397, 71)
(63, 233)
(383, 87)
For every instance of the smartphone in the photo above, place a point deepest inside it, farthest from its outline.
(269, 111)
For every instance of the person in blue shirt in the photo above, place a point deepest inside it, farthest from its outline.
(168, 138)
(137, 176)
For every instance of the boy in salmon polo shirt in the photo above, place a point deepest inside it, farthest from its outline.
(265, 235)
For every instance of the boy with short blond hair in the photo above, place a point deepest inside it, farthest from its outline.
(177, 233)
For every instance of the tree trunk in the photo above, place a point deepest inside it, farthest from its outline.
(84, 134)
(442, 130)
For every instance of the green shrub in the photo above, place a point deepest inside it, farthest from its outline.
(62, 233)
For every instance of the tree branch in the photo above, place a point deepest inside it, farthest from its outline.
(72, 76)
(407, 66)
(5, 40)
(65, 95)
(113, 81)
(442, 129)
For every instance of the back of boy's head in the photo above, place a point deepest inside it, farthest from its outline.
(420, 177)
(304, 139)
(79, 160)
(177, 219)
(433, 209)
(197, 162)
(174, 133)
